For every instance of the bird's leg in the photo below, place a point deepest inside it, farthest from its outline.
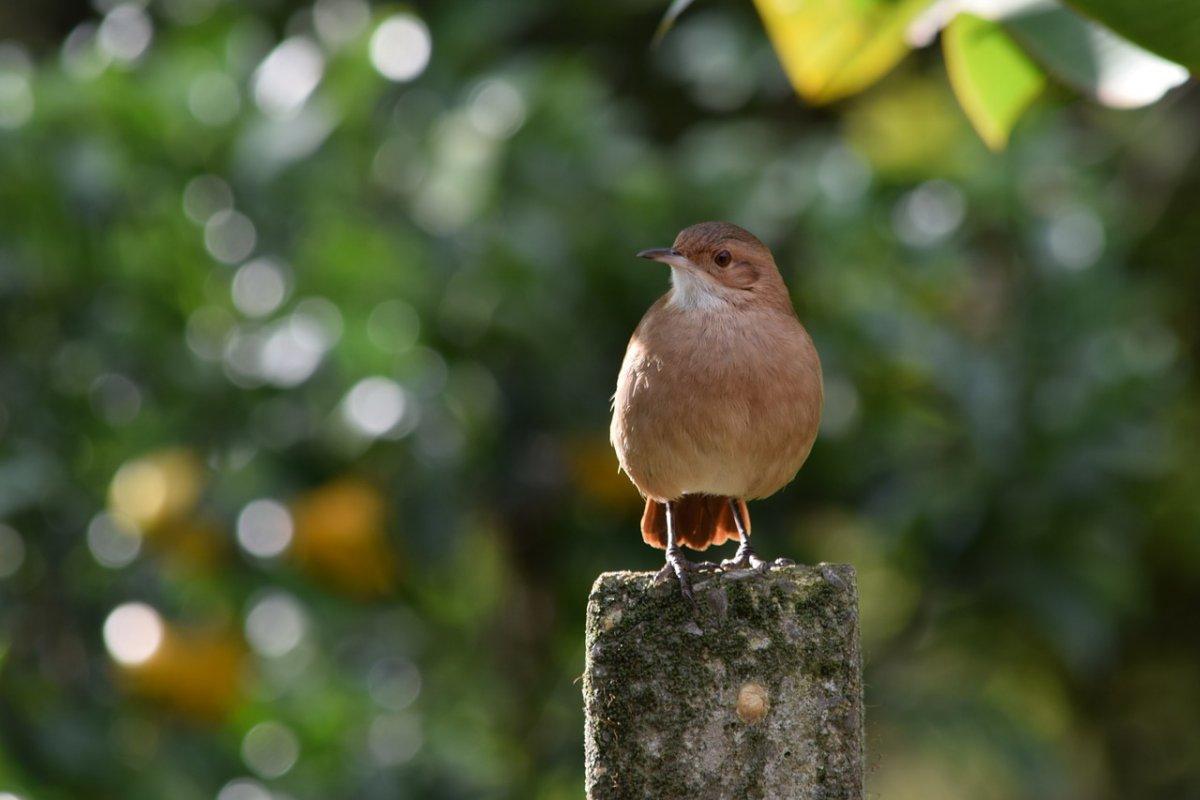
(745, 557)
(677, 566)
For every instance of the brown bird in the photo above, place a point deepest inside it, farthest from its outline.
(719, 397)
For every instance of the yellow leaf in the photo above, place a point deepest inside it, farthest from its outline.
(834, 48)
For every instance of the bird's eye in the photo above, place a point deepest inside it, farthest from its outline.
(722, 258)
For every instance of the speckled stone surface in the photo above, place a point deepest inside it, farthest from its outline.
(759, 696)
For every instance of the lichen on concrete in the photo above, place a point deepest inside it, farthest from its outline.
(756, 696)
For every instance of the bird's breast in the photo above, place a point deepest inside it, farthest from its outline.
(717, 403)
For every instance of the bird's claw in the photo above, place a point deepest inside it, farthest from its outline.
(744, 562)
(745, 558)
(680, 569)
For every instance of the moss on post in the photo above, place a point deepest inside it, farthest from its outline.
(759, 696)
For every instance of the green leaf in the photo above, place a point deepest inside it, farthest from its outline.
(1170, 28)
(1092, 58)
(834, 48)
(674, 10)
(992, 77)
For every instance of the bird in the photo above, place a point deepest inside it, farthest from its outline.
(718, 399)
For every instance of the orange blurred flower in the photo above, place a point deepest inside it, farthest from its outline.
(340, 539)
(196, 675)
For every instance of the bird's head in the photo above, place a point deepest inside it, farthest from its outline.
(714, 264)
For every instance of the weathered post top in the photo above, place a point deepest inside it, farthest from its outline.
(757, 696)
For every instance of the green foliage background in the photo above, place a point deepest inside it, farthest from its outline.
(1009, 454)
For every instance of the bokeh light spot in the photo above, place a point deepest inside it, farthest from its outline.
(244, 789)
(139, 490)
(113, 540)
(291, 350)
(213, 98)
(339, 22)
(276, 624)
(929, 214)
(125, 32)
(12, 551)
(133, 633)
(393, 326)
(291, 353)
(80, 56)
(16, 93)
(710, 55)
(1075, 238)
(206, 332)
(394, 739)
(116, 399)
(204, 196)
(259, 287)
(394, 683)
(400, 47)
(229, 236)
(157, 487)
(264, 528)
(287, 76)
(843, 176)
(374, 406)
(497, 109)
(270, 749)
(188, 12)
(840, 411)
(324, 315)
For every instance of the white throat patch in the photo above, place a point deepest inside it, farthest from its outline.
(692, 292)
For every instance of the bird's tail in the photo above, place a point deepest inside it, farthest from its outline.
(700, 520)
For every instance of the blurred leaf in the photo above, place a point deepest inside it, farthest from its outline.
(197, 542)
(1170, 28)
(910, 128)
(673, 13)
(834, 48)
(1091, 58)
(596, 472)
(994, 80)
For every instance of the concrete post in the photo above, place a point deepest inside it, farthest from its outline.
(757, 696)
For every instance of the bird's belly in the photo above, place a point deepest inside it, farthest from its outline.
(727, 475)
(719, 442)
(746, 461)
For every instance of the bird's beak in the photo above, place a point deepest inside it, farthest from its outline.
(667, 255)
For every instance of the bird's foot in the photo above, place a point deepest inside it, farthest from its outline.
(680, 569)
(746, 558)
(744, 561)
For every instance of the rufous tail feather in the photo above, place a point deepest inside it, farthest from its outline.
(700, 520)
